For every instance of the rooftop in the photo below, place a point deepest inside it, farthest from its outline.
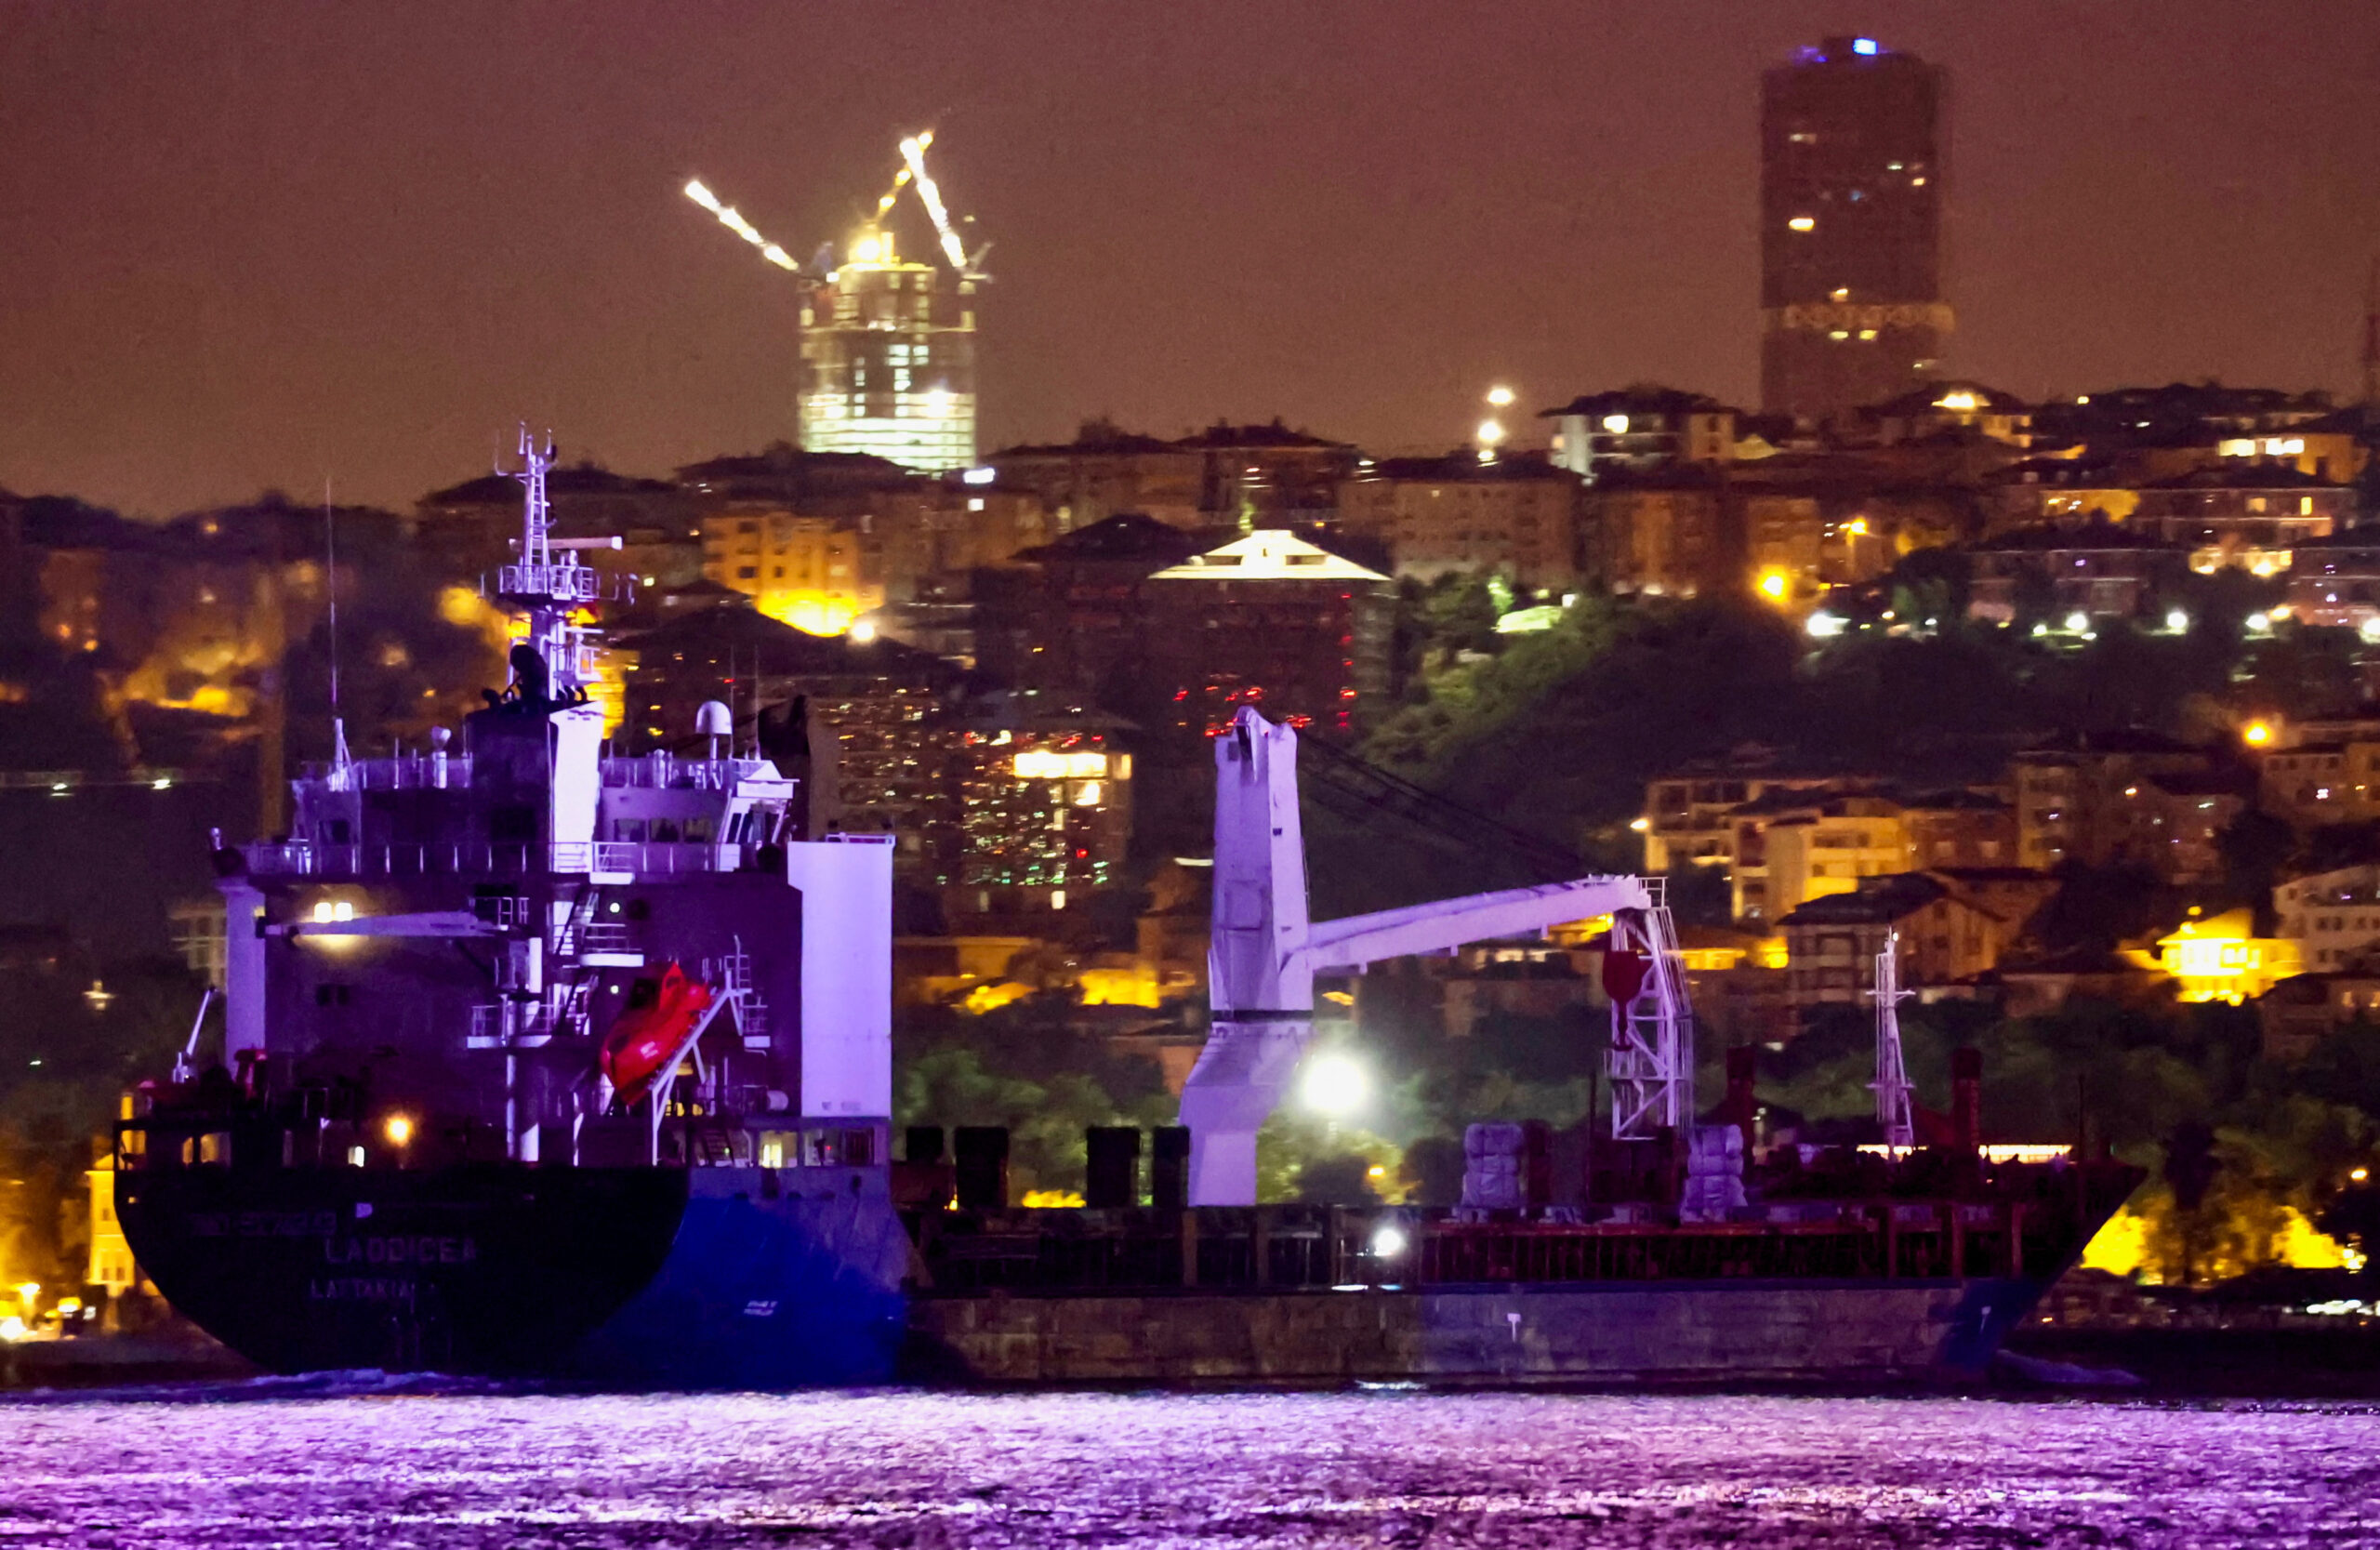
(1877, 901)
(780, 648)
(2050, 538)
(1641, 398)
(1954, 396)
(2122, 739)
(1128, 536)
(1275, 437)
(1463, 465)
(1095, 438)
(2360, 536)
(2242, 474)
(783, 471)
(579, 479)
(1268, 555)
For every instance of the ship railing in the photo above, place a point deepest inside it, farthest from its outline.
(405, 772)
(304, 858)
(595, 936)
(662, 770)
(533, 1024)
(1346, 1247)
(668, 857)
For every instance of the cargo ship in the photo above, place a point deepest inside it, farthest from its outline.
(544, 1062)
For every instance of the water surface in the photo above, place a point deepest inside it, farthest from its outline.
(357, 1469)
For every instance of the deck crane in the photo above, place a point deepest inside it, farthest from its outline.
(1266, 951)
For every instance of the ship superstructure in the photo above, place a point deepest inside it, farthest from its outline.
(493, 912)
(514, 966)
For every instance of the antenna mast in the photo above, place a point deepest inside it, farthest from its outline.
(339, 759)
(1892, 1074)
(551, 591)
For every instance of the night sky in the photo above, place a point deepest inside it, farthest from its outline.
(249, 244)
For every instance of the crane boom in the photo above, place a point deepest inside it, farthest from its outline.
(913, 151)
(912, 170)
(729, 217)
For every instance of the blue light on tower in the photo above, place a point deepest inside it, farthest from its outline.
(1863, 46)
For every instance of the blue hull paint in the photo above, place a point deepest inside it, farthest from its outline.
(798, 1290)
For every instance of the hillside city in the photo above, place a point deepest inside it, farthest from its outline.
(2073, 701)
(2074, 698)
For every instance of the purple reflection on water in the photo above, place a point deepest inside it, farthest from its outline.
(1358, 1469)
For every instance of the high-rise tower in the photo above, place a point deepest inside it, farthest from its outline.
(1851, 227)
(888, 358)
(888, 344)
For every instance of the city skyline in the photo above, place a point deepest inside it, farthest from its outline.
(361, 248)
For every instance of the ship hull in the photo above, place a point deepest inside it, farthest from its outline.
(766, 1279)
(633, 1275)
(1670, 1333)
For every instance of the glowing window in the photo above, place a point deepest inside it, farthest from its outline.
(1046, 765)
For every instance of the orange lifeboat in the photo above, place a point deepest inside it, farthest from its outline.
(659, 1016)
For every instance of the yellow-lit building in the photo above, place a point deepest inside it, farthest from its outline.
(1687, 813)
(2217, 959)
(816, 573)
(112, 1264)
(1811, 855)
(1659, 532)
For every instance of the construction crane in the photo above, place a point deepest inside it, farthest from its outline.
(912, 172)
(738, 224)
(888, 345)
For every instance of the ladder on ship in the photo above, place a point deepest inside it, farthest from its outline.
(731, 973)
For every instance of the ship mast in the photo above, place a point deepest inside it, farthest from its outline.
(549, 590)
(1892, 1087)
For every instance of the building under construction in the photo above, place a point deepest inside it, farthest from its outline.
(888, 342)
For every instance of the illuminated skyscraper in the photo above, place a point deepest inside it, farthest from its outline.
(888, 358)
(888, 344)
(1851, 227)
